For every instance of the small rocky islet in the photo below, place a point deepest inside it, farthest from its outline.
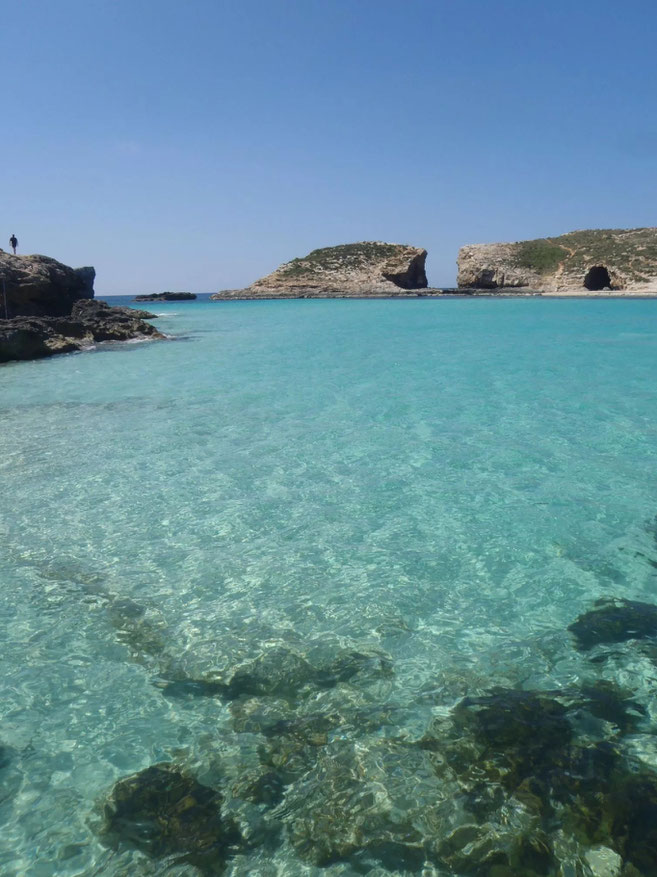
(166, 296)
(622, 261)
(367, 269)
(507, 782)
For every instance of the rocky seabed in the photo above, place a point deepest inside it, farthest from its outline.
(323, 764)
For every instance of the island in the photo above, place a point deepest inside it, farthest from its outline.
(47, 307)
(594, 261)
(367, 269)
(166, 296)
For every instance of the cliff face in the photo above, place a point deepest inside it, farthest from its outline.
(40, 286)
(595, 260)
(350, 270)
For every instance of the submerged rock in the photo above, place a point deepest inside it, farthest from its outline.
(355, 664)
(634, 821)
(138, 628)
(280, 671)
(362, 806)
(507, 849)
(614, 621)
(65, 569)
(607, 701)
(164, 812)
(524, 732)
(277, 672)
(11, 778)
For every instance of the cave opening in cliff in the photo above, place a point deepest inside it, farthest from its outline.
(597, 278)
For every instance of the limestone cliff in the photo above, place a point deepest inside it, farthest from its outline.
(41, 286)
(584, 261)
(368, 268)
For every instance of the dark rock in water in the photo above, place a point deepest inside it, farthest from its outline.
(191, 688)
(107, 323)
(291, 671)
(294, 745)
(125, 609)
(167, 296)
(260, 787)
(389, 855)
(89, 321)
(521, 734)
(615, 621)
(279, 672)
(610, 803)
(11, 778)
(506, 719)
(164, 812)
(141, 631)
(486, 850)
(333, 813)
(65, 569)
(350, 663)
(37, 337)
(378, 806)
(634, 822)
(606, 700)
(582, 789)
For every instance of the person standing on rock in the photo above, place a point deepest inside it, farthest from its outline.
(13, 240)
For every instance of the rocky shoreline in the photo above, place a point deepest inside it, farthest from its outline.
(49, 308)
(446, 292)
(89, 322)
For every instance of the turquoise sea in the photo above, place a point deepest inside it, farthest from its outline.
(316, 555)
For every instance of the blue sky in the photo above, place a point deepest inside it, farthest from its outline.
(198, 144)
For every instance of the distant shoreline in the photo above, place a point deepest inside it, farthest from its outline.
(446, 293)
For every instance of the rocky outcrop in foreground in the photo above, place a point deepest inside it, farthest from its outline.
(41, 286)
(166, 296)
(90, 321)
(581, 261)
(368, 268)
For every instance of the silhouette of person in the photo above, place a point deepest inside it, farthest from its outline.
(13, 240)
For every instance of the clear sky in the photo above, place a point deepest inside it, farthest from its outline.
(198, 144)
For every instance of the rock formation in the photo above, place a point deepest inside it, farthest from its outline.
(50, 308)
(347, 271)
(88, 322)
(581, 261)
(41, 286)
(166, 296)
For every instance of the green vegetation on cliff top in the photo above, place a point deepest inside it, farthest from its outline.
(632, 251)
(338, 258)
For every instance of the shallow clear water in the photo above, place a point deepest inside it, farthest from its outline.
(450, 483)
